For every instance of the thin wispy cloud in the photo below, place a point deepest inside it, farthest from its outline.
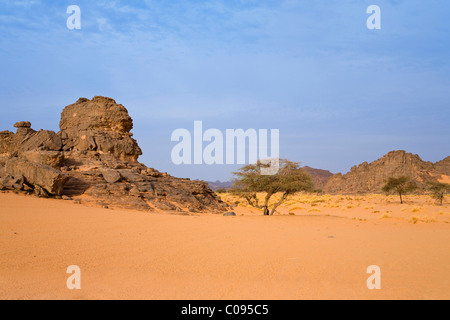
(302, 66)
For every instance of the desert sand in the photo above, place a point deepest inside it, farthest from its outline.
(314, 248)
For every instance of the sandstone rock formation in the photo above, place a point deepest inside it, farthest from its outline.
(36, 174)
(94, 159)
(370, 178)
(443, 166)
(99, 125)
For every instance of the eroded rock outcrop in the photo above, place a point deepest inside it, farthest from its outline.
(370, 178)
(99, 125)
(35, 174)
(94, 159)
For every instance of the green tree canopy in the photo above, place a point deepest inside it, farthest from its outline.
(290, 179)
(400, 185)
(438, 190)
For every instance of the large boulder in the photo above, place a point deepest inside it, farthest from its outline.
(99, 125)
(23, 128)
(53, 159)
(43, 140)
(36, 174)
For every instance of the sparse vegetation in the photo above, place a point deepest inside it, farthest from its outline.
(289, 180)
(438, 190)
(414, 219)
(401, 186)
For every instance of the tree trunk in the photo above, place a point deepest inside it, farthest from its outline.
(266, 204)
(285, 195)
(401, 199)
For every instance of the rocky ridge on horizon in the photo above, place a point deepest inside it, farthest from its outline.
(371, 177)
(94, 159)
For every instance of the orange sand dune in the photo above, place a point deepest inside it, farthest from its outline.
(137, 255)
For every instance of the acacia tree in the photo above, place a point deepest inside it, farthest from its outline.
(400, 185)
(438, 190)
(290, 179)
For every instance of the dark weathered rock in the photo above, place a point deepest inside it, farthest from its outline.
(40, 192)
(38, 175)
(111, 176)
(12, 183)
(23, 128)
(22, 124)
(53, 159)
(43, 140)
(229, 214)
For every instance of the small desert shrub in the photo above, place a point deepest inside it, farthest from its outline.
(414, 219)
(426, 219)
(314, 210)
(296, 208)
(415, 209)
(386, 216)
(291, 214)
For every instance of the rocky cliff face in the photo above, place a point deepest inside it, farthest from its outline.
(94, 159)
(370, 178)
(443, 166)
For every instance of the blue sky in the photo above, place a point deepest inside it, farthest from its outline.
(339, 93)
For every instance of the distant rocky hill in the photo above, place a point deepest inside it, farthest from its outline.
(319, 177)
(370, 178)
(217, 185)
(94, 159)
